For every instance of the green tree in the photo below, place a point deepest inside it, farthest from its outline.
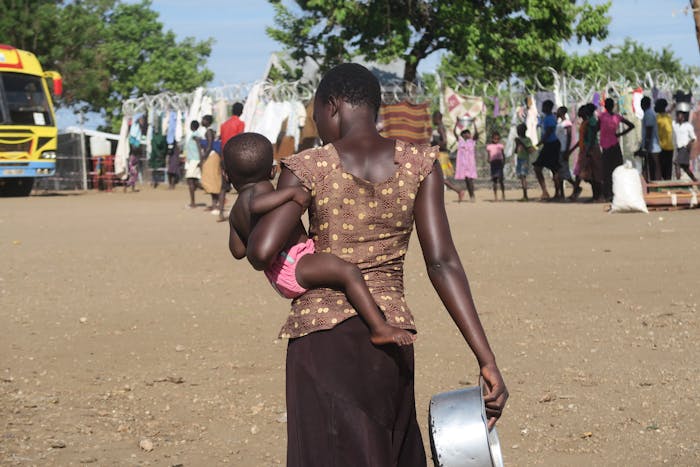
(500, 37)
(630, 60)
(106, 50)
(144, 59)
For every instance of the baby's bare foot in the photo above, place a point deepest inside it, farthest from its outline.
(391, 335)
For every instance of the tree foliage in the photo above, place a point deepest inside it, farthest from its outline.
(630, 60)
(494, 37)
(106, 50)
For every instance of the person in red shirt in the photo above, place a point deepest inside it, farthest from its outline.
(233, 125)
(230, 128)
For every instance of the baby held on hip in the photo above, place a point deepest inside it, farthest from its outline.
(297, 267)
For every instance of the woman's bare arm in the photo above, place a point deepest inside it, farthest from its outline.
(450, 282)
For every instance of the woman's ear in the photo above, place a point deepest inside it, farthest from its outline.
(273, 171)
(334, 106)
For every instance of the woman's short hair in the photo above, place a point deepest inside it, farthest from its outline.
(352, 83)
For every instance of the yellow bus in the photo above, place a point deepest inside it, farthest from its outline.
(27, 121)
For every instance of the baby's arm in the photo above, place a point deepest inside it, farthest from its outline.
(266, 202)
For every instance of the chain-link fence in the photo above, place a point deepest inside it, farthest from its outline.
(71, 165)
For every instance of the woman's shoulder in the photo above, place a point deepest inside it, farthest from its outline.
(309, 156)
(419, 156)
(312, 164)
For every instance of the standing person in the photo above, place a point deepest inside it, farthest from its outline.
(523, 149)
(664, 124)
(230, 128)
(564, 136)
(159, 148)
(466, 158)
(211, 166)
(683, 139)
(173, 165)
(439, 139)
(549, 154)
(650, 141)
(298, 267)
(137, 135)
(233, 125)
(350, 402)
(496, 159)
(133, 172)
(610, 144)
(582, 165)
(591, 152)
(193, 160)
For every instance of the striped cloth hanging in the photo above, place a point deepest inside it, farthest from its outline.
(405, 121)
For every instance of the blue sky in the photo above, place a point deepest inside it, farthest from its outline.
(242, 48)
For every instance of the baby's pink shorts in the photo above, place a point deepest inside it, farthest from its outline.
(282, 273)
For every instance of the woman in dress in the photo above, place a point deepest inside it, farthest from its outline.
(350, 402)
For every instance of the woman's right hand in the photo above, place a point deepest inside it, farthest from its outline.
(497, 393)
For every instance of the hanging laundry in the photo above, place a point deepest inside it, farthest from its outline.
(207, 107)
(297, 118)
(637, 95)
(221, 110)
(531, 121)
(695, 121)
(121, 157)
(195, 112)
(406, 121)
(469, 107)
(171, 128)
(253, 108)
(271, 123)
(631, 142)
(542, 96)
(309, 134)
(179, 130)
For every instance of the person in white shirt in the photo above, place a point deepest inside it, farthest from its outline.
(683, 139)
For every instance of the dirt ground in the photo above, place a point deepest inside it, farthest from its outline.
(125, 321)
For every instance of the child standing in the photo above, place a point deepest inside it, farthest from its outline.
(563, 132)
(466, 158)
(523, 149)
(683, 139)
(496, 160)
(248, 164)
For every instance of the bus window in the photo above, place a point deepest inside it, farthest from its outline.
(26, 100)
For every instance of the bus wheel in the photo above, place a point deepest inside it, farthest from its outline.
(16, 186)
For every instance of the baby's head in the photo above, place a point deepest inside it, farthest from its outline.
(495, 137)
(248, 159)
(521, 129)
(194, 125)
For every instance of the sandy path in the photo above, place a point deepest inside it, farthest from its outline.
(124, 317)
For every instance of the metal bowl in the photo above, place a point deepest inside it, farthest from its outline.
(459, 435)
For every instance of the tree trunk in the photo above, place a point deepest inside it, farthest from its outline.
(410, 71)
(695, 6)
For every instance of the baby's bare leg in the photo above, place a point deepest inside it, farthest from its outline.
(321, 270)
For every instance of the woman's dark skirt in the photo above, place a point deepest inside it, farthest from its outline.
(549, 156)
(350, 403)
